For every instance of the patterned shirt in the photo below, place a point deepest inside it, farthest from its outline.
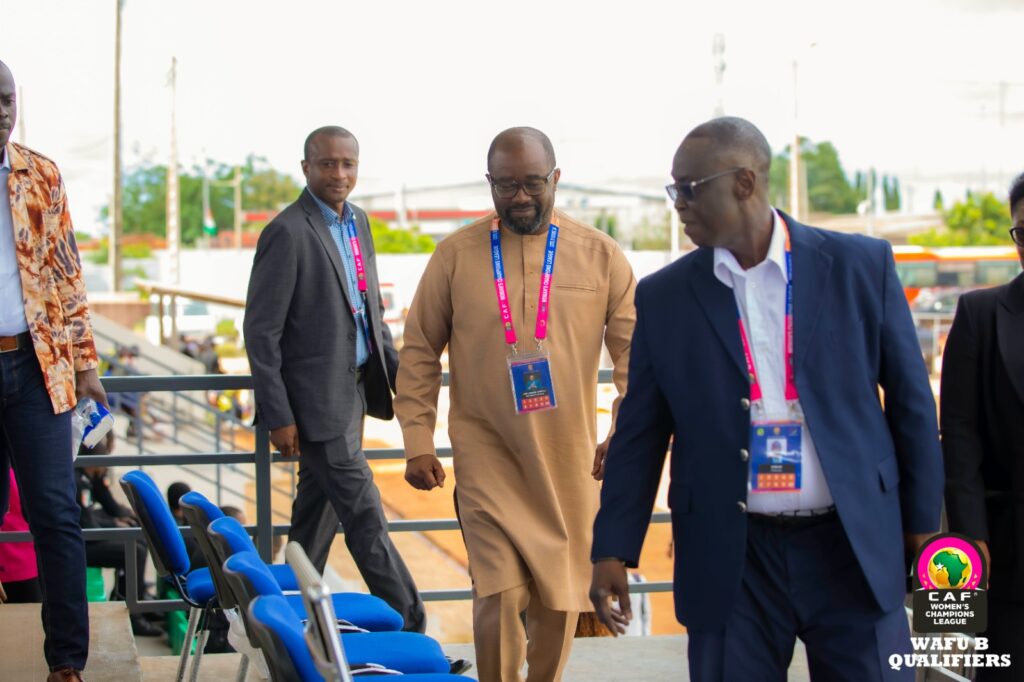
(339, 225)
(51, 273)
(12, 310)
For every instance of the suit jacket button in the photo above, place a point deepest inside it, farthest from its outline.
(742, 505)
(745, 403)
(351, 369)
(744, 454)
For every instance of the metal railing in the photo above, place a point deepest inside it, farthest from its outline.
(262, 459)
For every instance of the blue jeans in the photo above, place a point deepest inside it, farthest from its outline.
(37, 443)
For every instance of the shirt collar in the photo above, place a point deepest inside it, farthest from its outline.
(6, 163)
(726, 266)
(329, 213)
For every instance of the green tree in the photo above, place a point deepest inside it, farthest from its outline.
(891, 192)
(978, 220)
(389, 240)
(937, 202)
(145, 196)
(828, 188)
(606, 223)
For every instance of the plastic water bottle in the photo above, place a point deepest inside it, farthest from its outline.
(90, 423)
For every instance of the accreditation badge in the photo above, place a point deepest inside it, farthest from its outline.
(532, 387)
(775, 456)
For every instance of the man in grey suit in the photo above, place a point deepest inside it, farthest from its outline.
(322, 359)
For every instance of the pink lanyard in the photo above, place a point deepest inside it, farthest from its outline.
(755, 385)
(541, 329)
(357, 256)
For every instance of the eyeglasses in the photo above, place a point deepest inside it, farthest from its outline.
(508, 189)
(1017, 235)
(688, 190)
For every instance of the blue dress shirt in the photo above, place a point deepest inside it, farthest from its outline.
(338, 226)
(12, 303)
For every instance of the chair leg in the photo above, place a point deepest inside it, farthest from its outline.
(203, 636)
(243, 669)
(186, 644)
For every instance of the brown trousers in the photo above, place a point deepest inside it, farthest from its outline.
(502, 644)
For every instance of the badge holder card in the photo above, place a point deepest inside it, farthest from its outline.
(532, 387)
(775, 457)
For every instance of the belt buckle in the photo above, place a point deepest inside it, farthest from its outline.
(13, 340)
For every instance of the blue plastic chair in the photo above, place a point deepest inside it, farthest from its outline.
(170, 557)
(407, 652)
(280, 636)
(200, 512)
(364, 611)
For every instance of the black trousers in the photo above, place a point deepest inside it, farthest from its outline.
(37, 443)
(336, 483)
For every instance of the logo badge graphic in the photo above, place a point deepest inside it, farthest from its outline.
(950, 575)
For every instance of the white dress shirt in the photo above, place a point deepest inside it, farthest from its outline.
(12, 304)
(761, 296)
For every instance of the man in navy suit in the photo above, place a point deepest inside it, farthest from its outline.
(772, 338)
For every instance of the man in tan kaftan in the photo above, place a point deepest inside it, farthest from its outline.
(526, 492)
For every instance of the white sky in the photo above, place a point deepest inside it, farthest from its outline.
(908, 86)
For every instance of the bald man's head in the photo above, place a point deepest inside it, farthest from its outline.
(516, 138)
(737, 141)
(8, 104)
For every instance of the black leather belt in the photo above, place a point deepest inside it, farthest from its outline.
(12, 343)
(798, 519)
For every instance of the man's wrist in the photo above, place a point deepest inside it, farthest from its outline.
(608, 558)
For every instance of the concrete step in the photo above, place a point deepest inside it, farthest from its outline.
(112, 653)
(213, 668)
(638, 659)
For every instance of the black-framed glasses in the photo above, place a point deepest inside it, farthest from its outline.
(1017, 235)
(688, 190)
(506, 189)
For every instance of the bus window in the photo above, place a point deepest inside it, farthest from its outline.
(991, 273)
(956, 273)
(916, 274)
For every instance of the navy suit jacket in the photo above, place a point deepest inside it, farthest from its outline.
(853, 333)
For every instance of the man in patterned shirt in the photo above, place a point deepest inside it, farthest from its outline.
(47, 363)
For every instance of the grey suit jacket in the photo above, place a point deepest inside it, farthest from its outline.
(299, 331)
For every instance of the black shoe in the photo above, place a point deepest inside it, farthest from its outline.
(458, 665)
(143, 628)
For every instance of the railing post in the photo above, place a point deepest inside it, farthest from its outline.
(131, 571)
(216, 448)
(264, 524)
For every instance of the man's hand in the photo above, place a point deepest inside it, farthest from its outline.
(286, 440)
(913, 542)
(425, 472)
(87, 385)
(599, 456)
(610, 581)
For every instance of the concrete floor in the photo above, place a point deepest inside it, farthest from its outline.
(112, 655)
(637, 659)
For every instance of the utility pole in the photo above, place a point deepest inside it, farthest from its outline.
(237, 182)
(21, 116)
(718, 53)
(795, 195)
(116, 228)
(173, 196)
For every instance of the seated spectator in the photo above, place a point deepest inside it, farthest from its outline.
(99, 509)
(19, 573)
